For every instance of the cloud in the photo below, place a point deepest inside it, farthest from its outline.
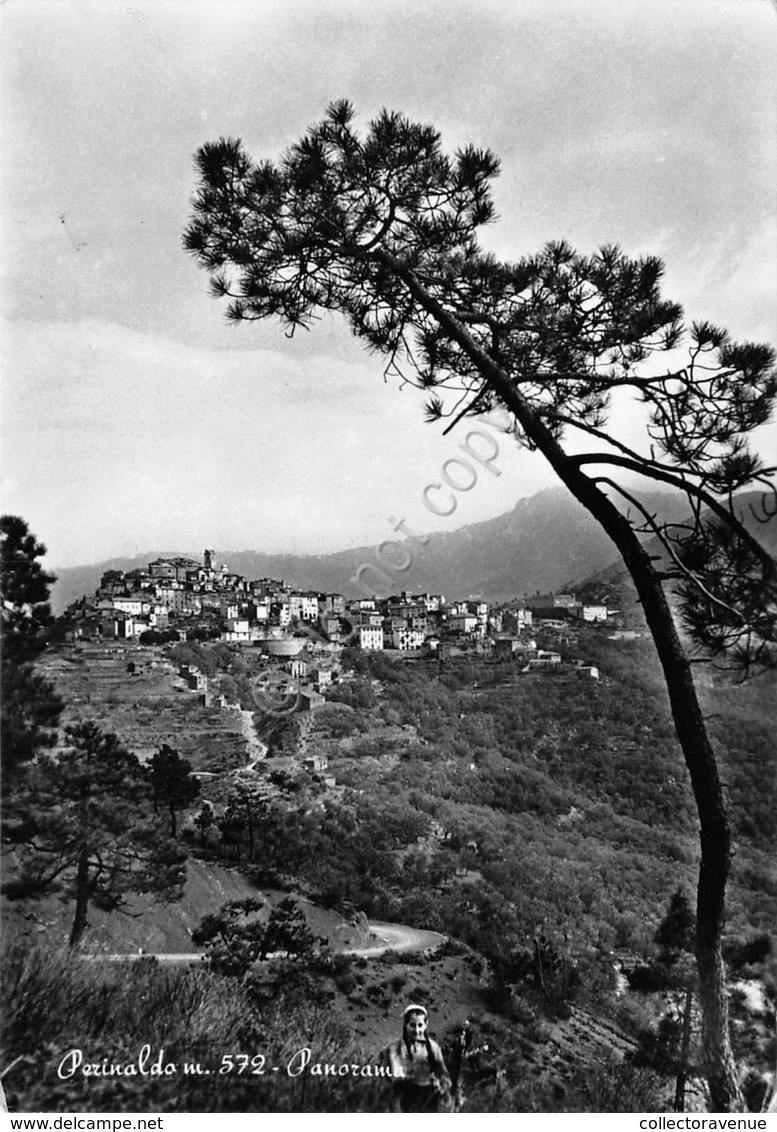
(134, 416)
(730, 279)
(116, 441)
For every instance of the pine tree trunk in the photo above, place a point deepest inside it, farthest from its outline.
(173, 823)
(722, 1075)
(687, 715)
(82, 898)
(714, 833)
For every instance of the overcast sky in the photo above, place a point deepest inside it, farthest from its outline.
(135, 419)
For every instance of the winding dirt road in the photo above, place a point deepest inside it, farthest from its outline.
(388, 937)
(397, 937)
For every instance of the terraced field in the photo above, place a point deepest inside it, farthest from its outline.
(145, 708)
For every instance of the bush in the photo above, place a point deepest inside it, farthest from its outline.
(58, 1002)
(752, 951)
(545, 969)
(617, 1087)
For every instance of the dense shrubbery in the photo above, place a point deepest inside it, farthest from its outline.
(568, 798)
(561, 804)
(56, 1003)
(159, 637)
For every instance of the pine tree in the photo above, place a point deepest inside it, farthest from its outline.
(288, 932)
(675, 936)
(174, 787)
(204, 820)
(233, 937)
(383, 229)
(30, 705)
(85, 827)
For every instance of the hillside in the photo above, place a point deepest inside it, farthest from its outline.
(514, 814)
(162, 929)
(479, 750)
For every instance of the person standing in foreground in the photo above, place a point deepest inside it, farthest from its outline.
(421, 1080)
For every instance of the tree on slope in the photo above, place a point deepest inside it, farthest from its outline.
(30, 705)
(288, 932)
(173, 784)
(85, 826)
(669, 1049)
(383, 229)
(233, 936)
(675, 939)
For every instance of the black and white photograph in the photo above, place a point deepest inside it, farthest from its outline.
(389, 559)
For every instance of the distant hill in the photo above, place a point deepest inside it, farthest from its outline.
(547, 541)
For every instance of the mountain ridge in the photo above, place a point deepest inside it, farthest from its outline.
(543, 543)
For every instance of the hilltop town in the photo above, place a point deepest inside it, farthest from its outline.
(181, 598)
